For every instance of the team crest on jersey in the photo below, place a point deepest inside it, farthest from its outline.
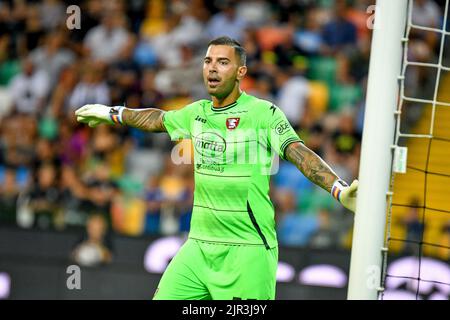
(232, 123)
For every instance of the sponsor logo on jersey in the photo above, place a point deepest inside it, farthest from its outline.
(210, 144)
(210, 167)
(198, 118)
(232, 123)
(282, 127)
(273, 108)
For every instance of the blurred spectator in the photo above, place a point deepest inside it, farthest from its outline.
(106, 147)
(357, 72)
(339, 34)
(45, 154)
(254, 12)
(105, 41)
(18, 140)
(271, 35)
(73, 195)
(346, 142)
(92, 13)
(263, 88)
(226, 22)
(183, 29)
(282, 10)
(124, 74)
(288, 55)
(29, 89)
(128, 209)
(52, 13)
(72, 144)
(9, 64)
(172, 81)
(52, 57)
(253, 50)
(9, 193)
(92, 88)
(44, 199)
(100, 191)
(426, 13)
(186, 202)
(151, 97)
(359, 13)
(153, 197)
(414, 229)
(136, 11)
(190, 28)
(345, 138)
(292, 96)
(326, 235)
(59, 100)
(166, 45)
(177, 198)
(316, 138)
(34, 31)
(293, 228)
(95, 247)
(308, 38)
(288, 178)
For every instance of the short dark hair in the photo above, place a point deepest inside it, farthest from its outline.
(227, 41)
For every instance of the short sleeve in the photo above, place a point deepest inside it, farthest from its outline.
(178, 122)
(281, 133)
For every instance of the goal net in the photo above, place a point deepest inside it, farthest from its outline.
(418, 212)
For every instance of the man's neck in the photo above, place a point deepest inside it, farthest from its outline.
(229, 99)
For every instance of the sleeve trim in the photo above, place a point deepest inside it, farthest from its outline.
(286, 143)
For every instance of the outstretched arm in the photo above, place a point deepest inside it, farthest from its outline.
(150, 119)
(320, 173)
(311, 165)
(145, 119)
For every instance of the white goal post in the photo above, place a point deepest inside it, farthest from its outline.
(376, 152)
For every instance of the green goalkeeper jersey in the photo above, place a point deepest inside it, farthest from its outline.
(233, 160)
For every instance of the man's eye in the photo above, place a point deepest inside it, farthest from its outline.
(223, 63)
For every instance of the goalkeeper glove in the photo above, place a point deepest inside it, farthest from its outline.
(95, 114)
(345, 194)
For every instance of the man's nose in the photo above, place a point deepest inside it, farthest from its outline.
(212, 67)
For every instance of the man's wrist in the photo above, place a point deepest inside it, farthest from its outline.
(337, 188)
(115, 114)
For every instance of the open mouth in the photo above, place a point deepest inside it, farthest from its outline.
(213, 81)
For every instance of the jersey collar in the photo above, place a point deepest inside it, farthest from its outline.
(229, 106)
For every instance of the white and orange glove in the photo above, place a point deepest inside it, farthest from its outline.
(95, 114)
(345, 194)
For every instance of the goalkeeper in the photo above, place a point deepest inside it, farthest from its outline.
(231, 251)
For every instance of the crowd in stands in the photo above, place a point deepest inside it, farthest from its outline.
(310, 57)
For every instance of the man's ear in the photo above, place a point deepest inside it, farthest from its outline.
(241, 72)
